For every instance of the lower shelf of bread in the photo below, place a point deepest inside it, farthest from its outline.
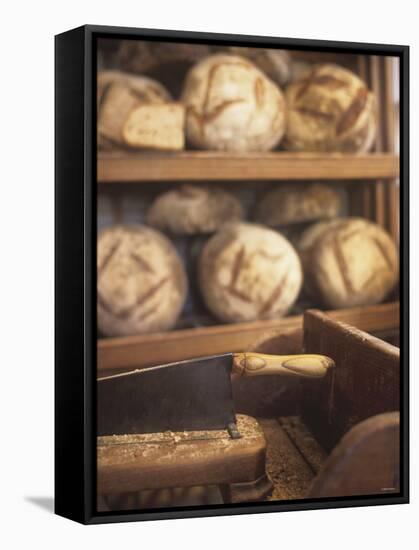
(114, 354)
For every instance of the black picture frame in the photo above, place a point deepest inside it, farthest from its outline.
(75, 279)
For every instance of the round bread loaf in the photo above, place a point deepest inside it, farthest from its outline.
(141, 283)
(189, 210)
(249, 272)
(118, 94)
(298, 204)
(330, 109)
(348, 262)
(232, 106)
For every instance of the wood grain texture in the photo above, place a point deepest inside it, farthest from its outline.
(365, 462)
(180, 459)
(153, 349)
(365, 381)
(126, 167)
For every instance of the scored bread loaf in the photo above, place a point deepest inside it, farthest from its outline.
(348, 262)
(141, 282)
(117, 95)
(330, 109)
(298, 204)
(155, 126)
(232, 106)
(190, 209)
(249, 272)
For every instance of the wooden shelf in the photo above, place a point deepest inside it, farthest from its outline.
(126, 167)
(153, 349)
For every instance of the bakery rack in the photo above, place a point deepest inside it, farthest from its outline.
(371, 183)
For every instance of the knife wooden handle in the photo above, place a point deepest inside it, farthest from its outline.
(255, 364)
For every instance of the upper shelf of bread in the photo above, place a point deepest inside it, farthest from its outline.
(235, 114)
(125, 167)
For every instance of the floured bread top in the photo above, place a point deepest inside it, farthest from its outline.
(299, 204)
(349, 262)
(232, 106)
(330, 109)
(141, 283)
(191, 209)
(249, 272)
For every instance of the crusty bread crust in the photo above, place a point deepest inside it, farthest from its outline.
(189, 210)
(298, 204)
(330, 109)
(232, 106)
(249, 272)
(348, 262)
(141, 282)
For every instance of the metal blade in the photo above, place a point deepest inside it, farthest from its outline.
(189, 395)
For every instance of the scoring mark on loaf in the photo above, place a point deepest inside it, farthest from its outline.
(211, 76)
(238, 294)
(371, 279)
(305, 84)
(103, 93)
(384, 252)
(259, 91)
(126, 312)
(142, 315)
(266, 255)
(275, 294)
(206, 116)
(237, 264)
(108, 257)
(139, 94)
(347, 236)
(218, 109)
(142, 264)
(103, 303)
(327, 117)
(278, 118)
(328, 81)
(235, 272)
(350, 116)
(343, 268)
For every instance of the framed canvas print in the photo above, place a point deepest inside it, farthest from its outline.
(231, 274)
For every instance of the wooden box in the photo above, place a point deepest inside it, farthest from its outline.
(341, 434)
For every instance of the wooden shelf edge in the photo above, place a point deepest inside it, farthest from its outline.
(152, 349)
(211, 166)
